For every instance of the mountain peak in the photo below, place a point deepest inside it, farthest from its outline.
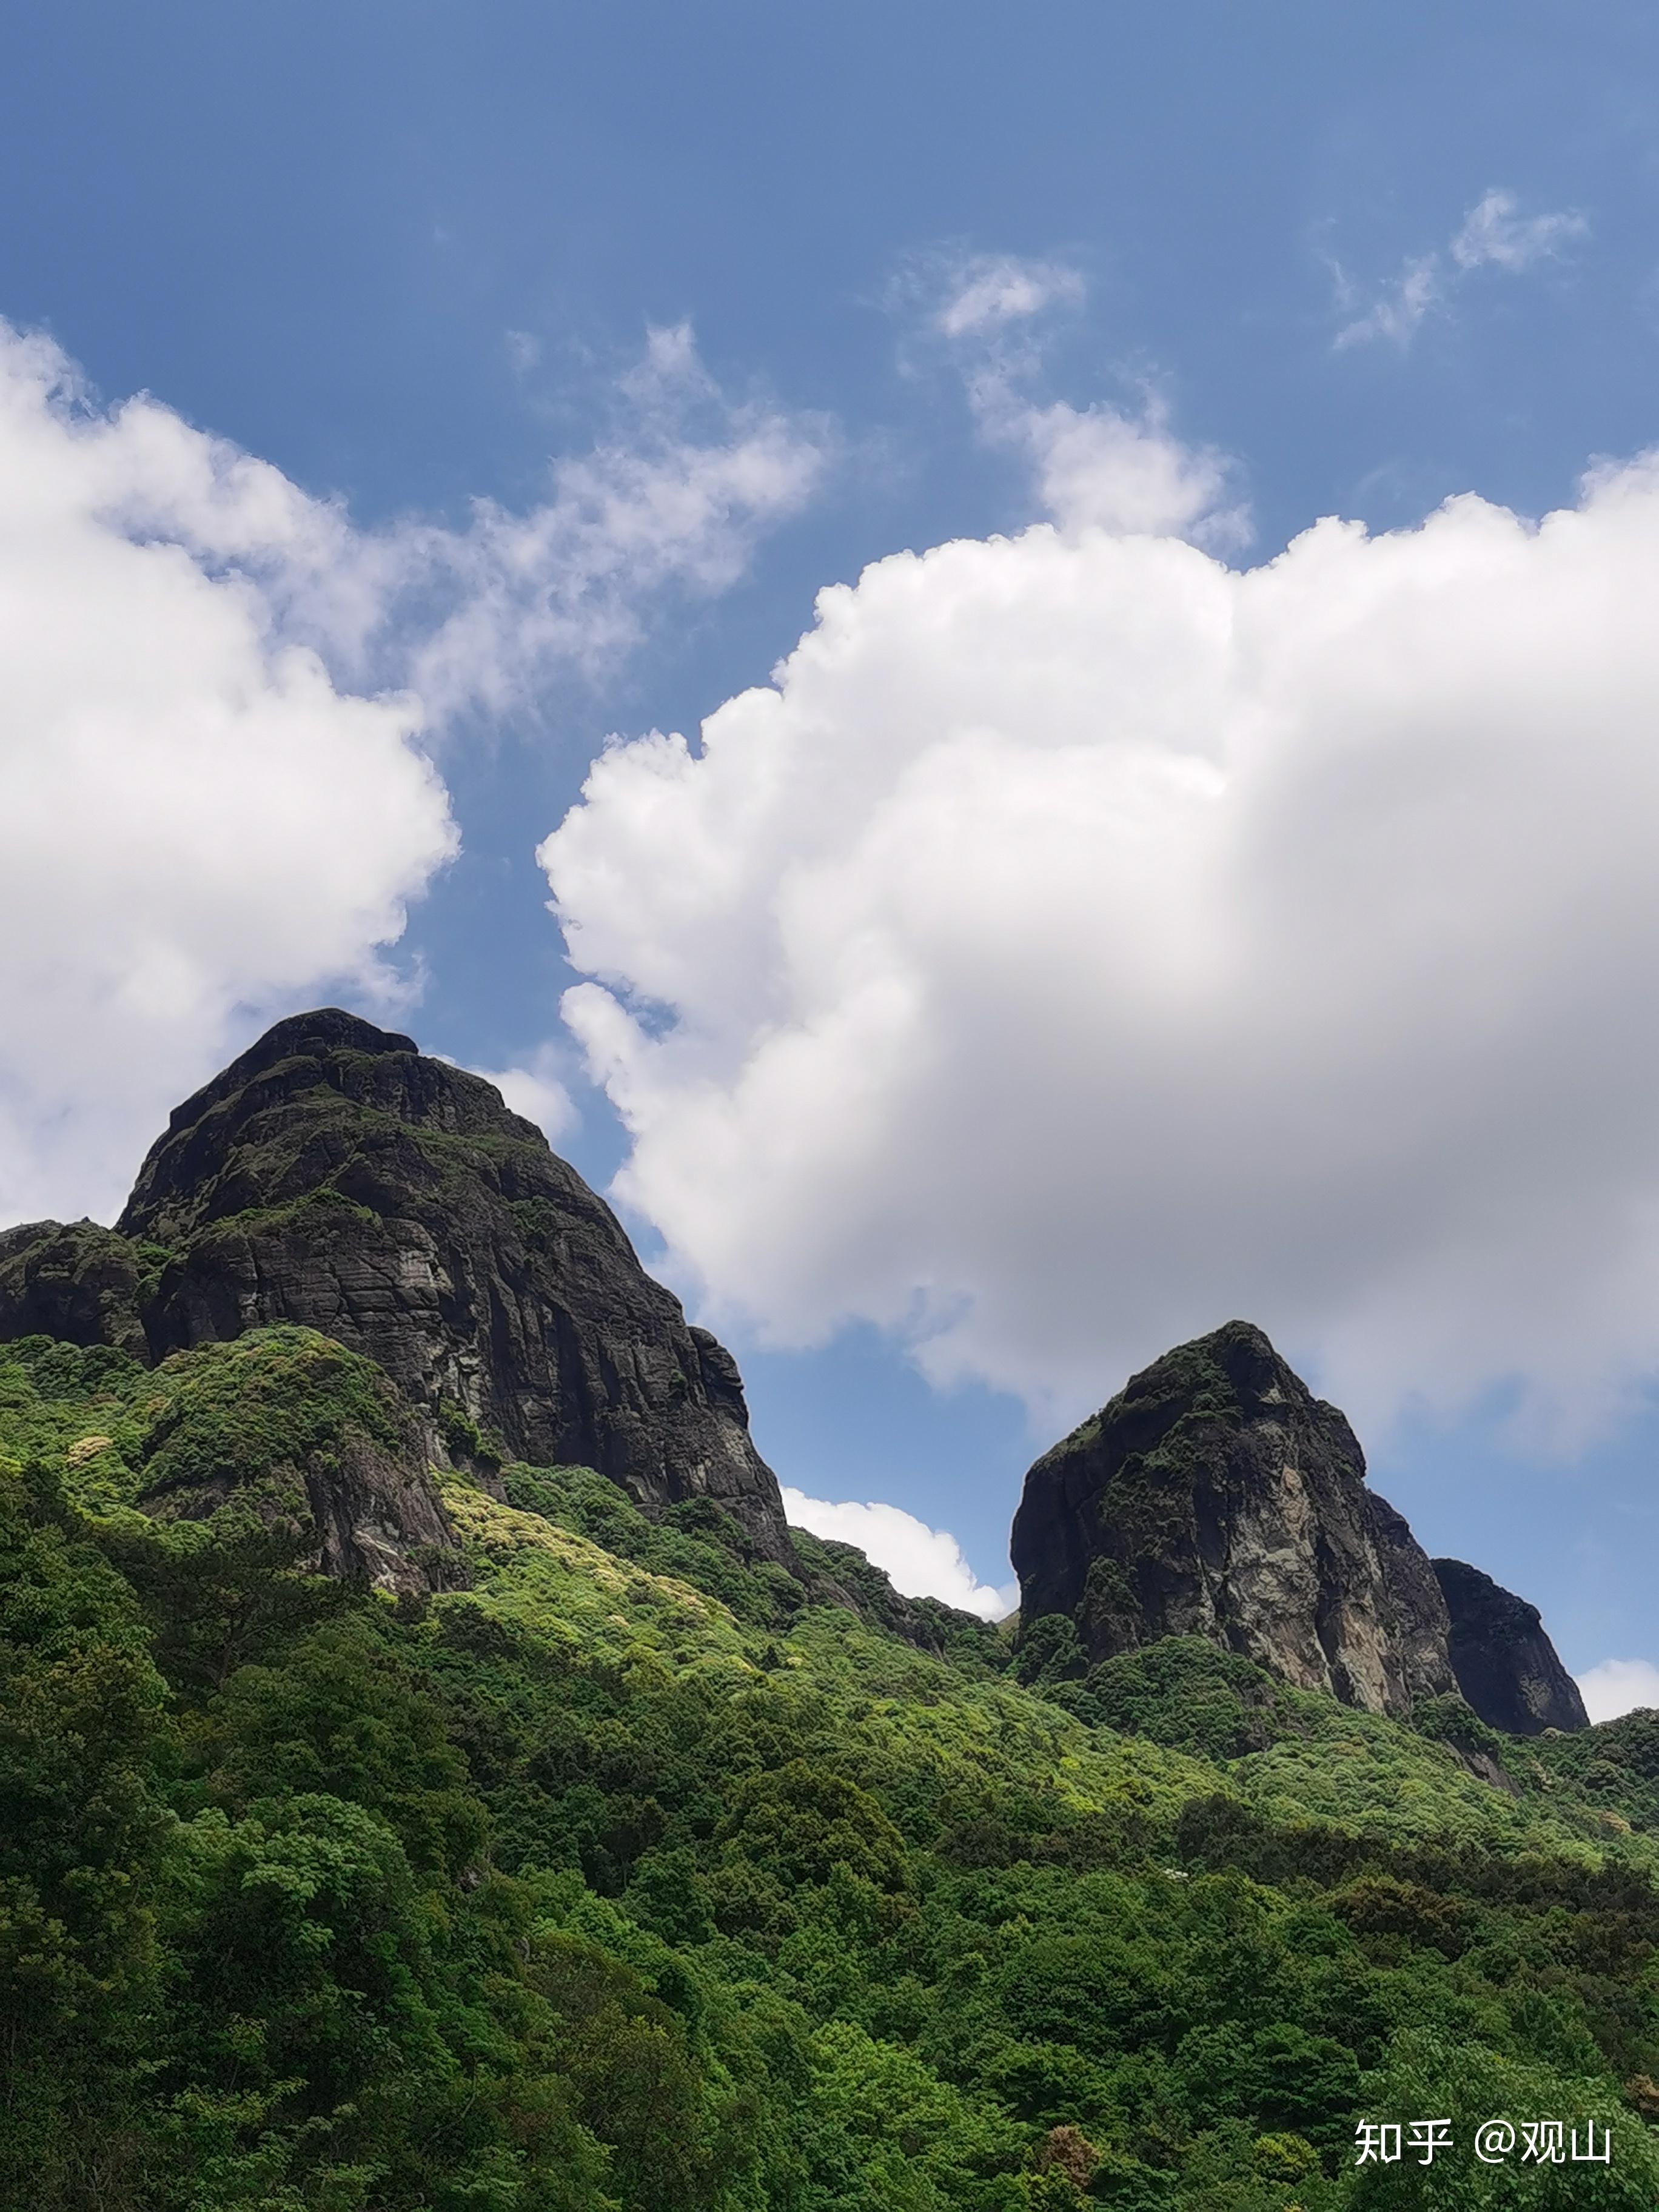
(335, 1178)
(1215, 1496)
(267, 1129)
(308, 1036)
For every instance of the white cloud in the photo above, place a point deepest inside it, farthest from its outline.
(1097, 469)
(986, 294)
(215, 695)
(537, 1093)
(1081, 942)
(1494, 235)
(919, 1561)
(1619, 1686)
(1399, 308)
(198, 823)
(1092, 467)
(676, 499)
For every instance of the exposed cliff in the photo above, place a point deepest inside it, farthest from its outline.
(335, 1178)
(1506, 1667)
(1216, 1497)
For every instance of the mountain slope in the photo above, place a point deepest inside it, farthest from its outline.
(626, 1876)
(433, 1779)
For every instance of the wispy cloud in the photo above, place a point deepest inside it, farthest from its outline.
(1099, 466)
(676, 499)
(673, 498)
(1494, 235)
(988, 292)
(1399, 307)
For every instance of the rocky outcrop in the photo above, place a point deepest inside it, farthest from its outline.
(1215, 1496)
(335, 1178)
(1506, 1667)
(313, 1439)
(76, 1282)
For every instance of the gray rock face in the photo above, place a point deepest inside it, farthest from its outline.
(335, 1177)
(1215, 1496)
(1506, 1667)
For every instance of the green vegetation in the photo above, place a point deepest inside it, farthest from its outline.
(631, 1880)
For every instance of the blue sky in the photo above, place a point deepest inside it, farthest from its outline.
(1310, 262)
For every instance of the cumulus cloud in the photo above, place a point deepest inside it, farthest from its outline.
(1494, 235)
(1080, 942)
(537, 1090)
(216, 699)
(1620, 1685)
(919, 1561)
(198, 823)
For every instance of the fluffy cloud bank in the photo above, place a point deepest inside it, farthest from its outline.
(216, 695)
(1081, 941)
(1619, 1686)
(920, 1561)
(197, 819)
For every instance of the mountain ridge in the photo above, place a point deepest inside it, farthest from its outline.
(333, 1177)
(571, 1854)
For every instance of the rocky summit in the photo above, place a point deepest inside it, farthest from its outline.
(336, 1178)
(1215, 1496)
